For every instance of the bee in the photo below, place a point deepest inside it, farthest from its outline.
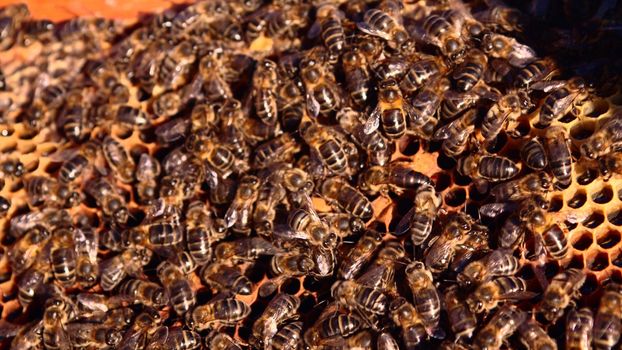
(385, 22)
(375, 144)
(265, 81)
(239, 214)
(504, 114)
(329, 26)
(55, 317)
(211, 68)
(381, 273)
(579, 326)
(443, 30)
(534, 337)
(538, 71)
(174, 338)
(130, 261)
(396, 176)
(392, 111)
(424, 70)
(500, 327)
(144, 327)
(498, 263)
(356, 75)
(560, 292)
(223, 312)
(5, 205)
(506, 18)
(386, 341)
(346, 197)
(215, 156)
(226, 278)
(567, 97)
(26, 250)
(419, 220)
(605, 140)
(322, 92)
(487, 167)
(28, 336)
(79, 163)
(29, 284)
(271, 193)
(137, 291)
(489, 294)
(442, 248)
(279, 149)
(501, 46)
(463, 322)
(307, 225)
(470, 71)
(425, 105)
(44, 190)
(523, 188)
(147, 172)
(558, 150)
(343, 225)
(533, 154)
(609, 165)
(111, 203)
(132, 117)
(181, 295)
(281, 308)
(360, 254)
(201, 231)
(63, 257)
(244, 249)
(475, 243)
(292, 264)
(221, 341)
(166, 105)
(409, 320)
(328, 328)
(289, 337)
(355, 296)
(12, 18)
(606, 333)
(93, 335)
(118, 159)
(426, 298)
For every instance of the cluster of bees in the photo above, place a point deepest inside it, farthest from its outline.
(213, 158)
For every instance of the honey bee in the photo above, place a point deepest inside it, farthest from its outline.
(328, 25)
(381, 273)
(443, 30)
(498, 263)
(538, 71)
(500, 327)
(130, 261)
(5, 205)
(487, 167)
(328, 328)
(346, 197)
(226, 278)
(505, 18)
(396, 176)
(355, 297)
(322, 92)
(93, 335)
(605, 140)
(442, 248)
(391, 112)
(132, 117)
(54, 334)
(239, 214)
(265, 81)
(137, 291)
(606, 333)
(63, 257)
(533, 154)
(147, 172)
(386, 341)
(560, 293)
(408, 319)
(567, 97)
(505, 113)
(523, 188)
(77, 165)
(223, 312)
(166, 105)
(28, 337)
(145, 325)
(457, 134)
(221, 341)
(475, 243)
(419, 220)
(215, 156)
(271, 193)
(422, 71)
(463, 322)
(489, 294)
(609, 165)
(44, 190)
(501, 46)
(276, 150)
(426, 298)
(375, 145)
(289, 337)
(211, 67)
(343, 225)
(281, 308)
(12, 168)
(111, 203)
(534, 337)
(306, 224)
(25, 251)
(357, 75)
(118, 159)
(291, 264)
(360, 254)
(174, 338)
(244, 249)
(425, 105)
(579, 325)
(181, 295)
(556, 142)
(201, 231)
(29, 284)
(385, 22)
(471, 70)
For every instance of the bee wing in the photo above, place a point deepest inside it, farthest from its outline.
(404, 224)
(547, 86)
(313, 106)
(373, 122)
(561, 104)
(487, 93)
(492, 210)
(158, 340)
(314, 31)
(521, 55)
(496, 259)
(367, 29)
(516, 296)
(444, 132)
(135, 340)
(232, 215)
(286, 233)
(373, 277)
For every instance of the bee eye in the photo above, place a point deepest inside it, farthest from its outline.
(498, 44)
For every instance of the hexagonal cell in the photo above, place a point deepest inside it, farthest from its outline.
(582, 241)
(590, 285)
(609, 239)
(583, 130)
(615, 217)
(291, 286)
(409, 147)
(556, 204)
(576, 262)
(597, 108)
(455, 197)
(587, 177)
(442, 180)
(594, 220)
(604, 195)
(578, 200)
(598, 262)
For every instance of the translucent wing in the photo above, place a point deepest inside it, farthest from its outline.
(367, 29)
(405, 222)
(494, 209)
(313, 106)
(521, 55)
(373, 122)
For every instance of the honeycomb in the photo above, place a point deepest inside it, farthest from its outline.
(591, 205)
